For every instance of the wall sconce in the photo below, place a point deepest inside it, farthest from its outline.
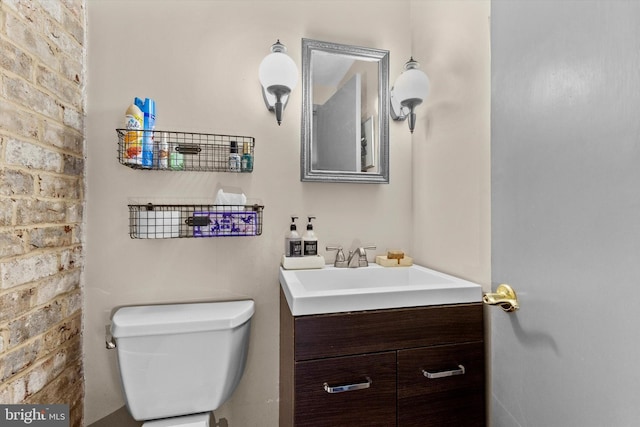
(410, 89)
(278, 75)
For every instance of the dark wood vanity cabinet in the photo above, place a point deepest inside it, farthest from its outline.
(419, 366)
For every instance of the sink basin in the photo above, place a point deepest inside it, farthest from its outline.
(334, 290)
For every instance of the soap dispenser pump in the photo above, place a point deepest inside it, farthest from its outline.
(310, 240)
(292, 240)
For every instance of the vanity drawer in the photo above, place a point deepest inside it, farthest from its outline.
(372, 402)
(329, 335)
(450, 397)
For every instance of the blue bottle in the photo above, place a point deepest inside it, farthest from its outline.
(148, 108)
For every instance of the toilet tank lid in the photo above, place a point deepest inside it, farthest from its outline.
(180, 318)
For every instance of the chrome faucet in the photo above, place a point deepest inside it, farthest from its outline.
(361, 253)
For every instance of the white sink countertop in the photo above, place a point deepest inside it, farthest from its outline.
(335, 290)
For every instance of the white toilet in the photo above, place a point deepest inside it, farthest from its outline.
(179, 362)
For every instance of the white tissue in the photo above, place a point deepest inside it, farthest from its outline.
(223, 198)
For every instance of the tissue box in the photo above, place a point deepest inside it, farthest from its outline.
(226, 223)
(157, 224)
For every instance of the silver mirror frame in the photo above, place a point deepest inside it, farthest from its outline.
(306, 171)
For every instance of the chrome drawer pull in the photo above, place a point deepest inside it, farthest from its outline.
(442, 374)
(348, 387)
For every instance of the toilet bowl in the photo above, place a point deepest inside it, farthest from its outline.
(179, 362)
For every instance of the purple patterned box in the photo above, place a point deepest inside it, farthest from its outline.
(226, 223)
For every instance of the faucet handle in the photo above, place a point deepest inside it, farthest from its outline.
(340, 261)
(362, 255)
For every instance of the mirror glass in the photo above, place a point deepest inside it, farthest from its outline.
(345, 113)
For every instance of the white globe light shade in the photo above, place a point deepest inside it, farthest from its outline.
(411, 84)
(278, 68)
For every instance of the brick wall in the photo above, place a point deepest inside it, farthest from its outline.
(42, 56)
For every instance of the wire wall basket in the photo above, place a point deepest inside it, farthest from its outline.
(153, 221)
(185, 151)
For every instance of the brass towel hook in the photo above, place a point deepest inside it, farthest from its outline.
(504, 296)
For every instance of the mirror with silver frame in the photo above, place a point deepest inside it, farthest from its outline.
(345, 113)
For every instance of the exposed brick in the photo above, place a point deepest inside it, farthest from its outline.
(53, 8)
(27, 269)
(18, 390)
(50, 237)
(71, 258)
(72, 165)
(74, 303)
(15, 304)
(62, 137)
(26, 94)
(15, 60)
(27, 9)
(65, 386)
(34, 323)
(21, 153)
(76, 411)
(78, 234)
(74, 212)
(19, 359)
(65, 90)
(74, 26)
(42, 107)
(58, 187)
(62, 39)
(51, 287)
(30, 212)
(11, 244)
(23, 33)
(39, 376)
(73, 118)
(66, 332)
(6, 211)
(19, 121)
(72, 69)
(15, 182)
(76, 7)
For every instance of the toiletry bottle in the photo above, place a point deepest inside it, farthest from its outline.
(148, 108)
(176, 158)
(234, 158)
(132, 149)
(163, 151)
(309, 240)
(292, 240)
(247, 158)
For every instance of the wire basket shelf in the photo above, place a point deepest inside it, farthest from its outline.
(185, 151)
(155, 221)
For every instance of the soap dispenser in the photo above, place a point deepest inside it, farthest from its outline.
(292, 240)
(310, 241)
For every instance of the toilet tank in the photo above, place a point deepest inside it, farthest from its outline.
(179, 359)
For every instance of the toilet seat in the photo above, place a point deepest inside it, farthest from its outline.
(197, 420)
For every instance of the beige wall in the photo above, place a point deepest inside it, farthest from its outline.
(451, 162)
(199, 61)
